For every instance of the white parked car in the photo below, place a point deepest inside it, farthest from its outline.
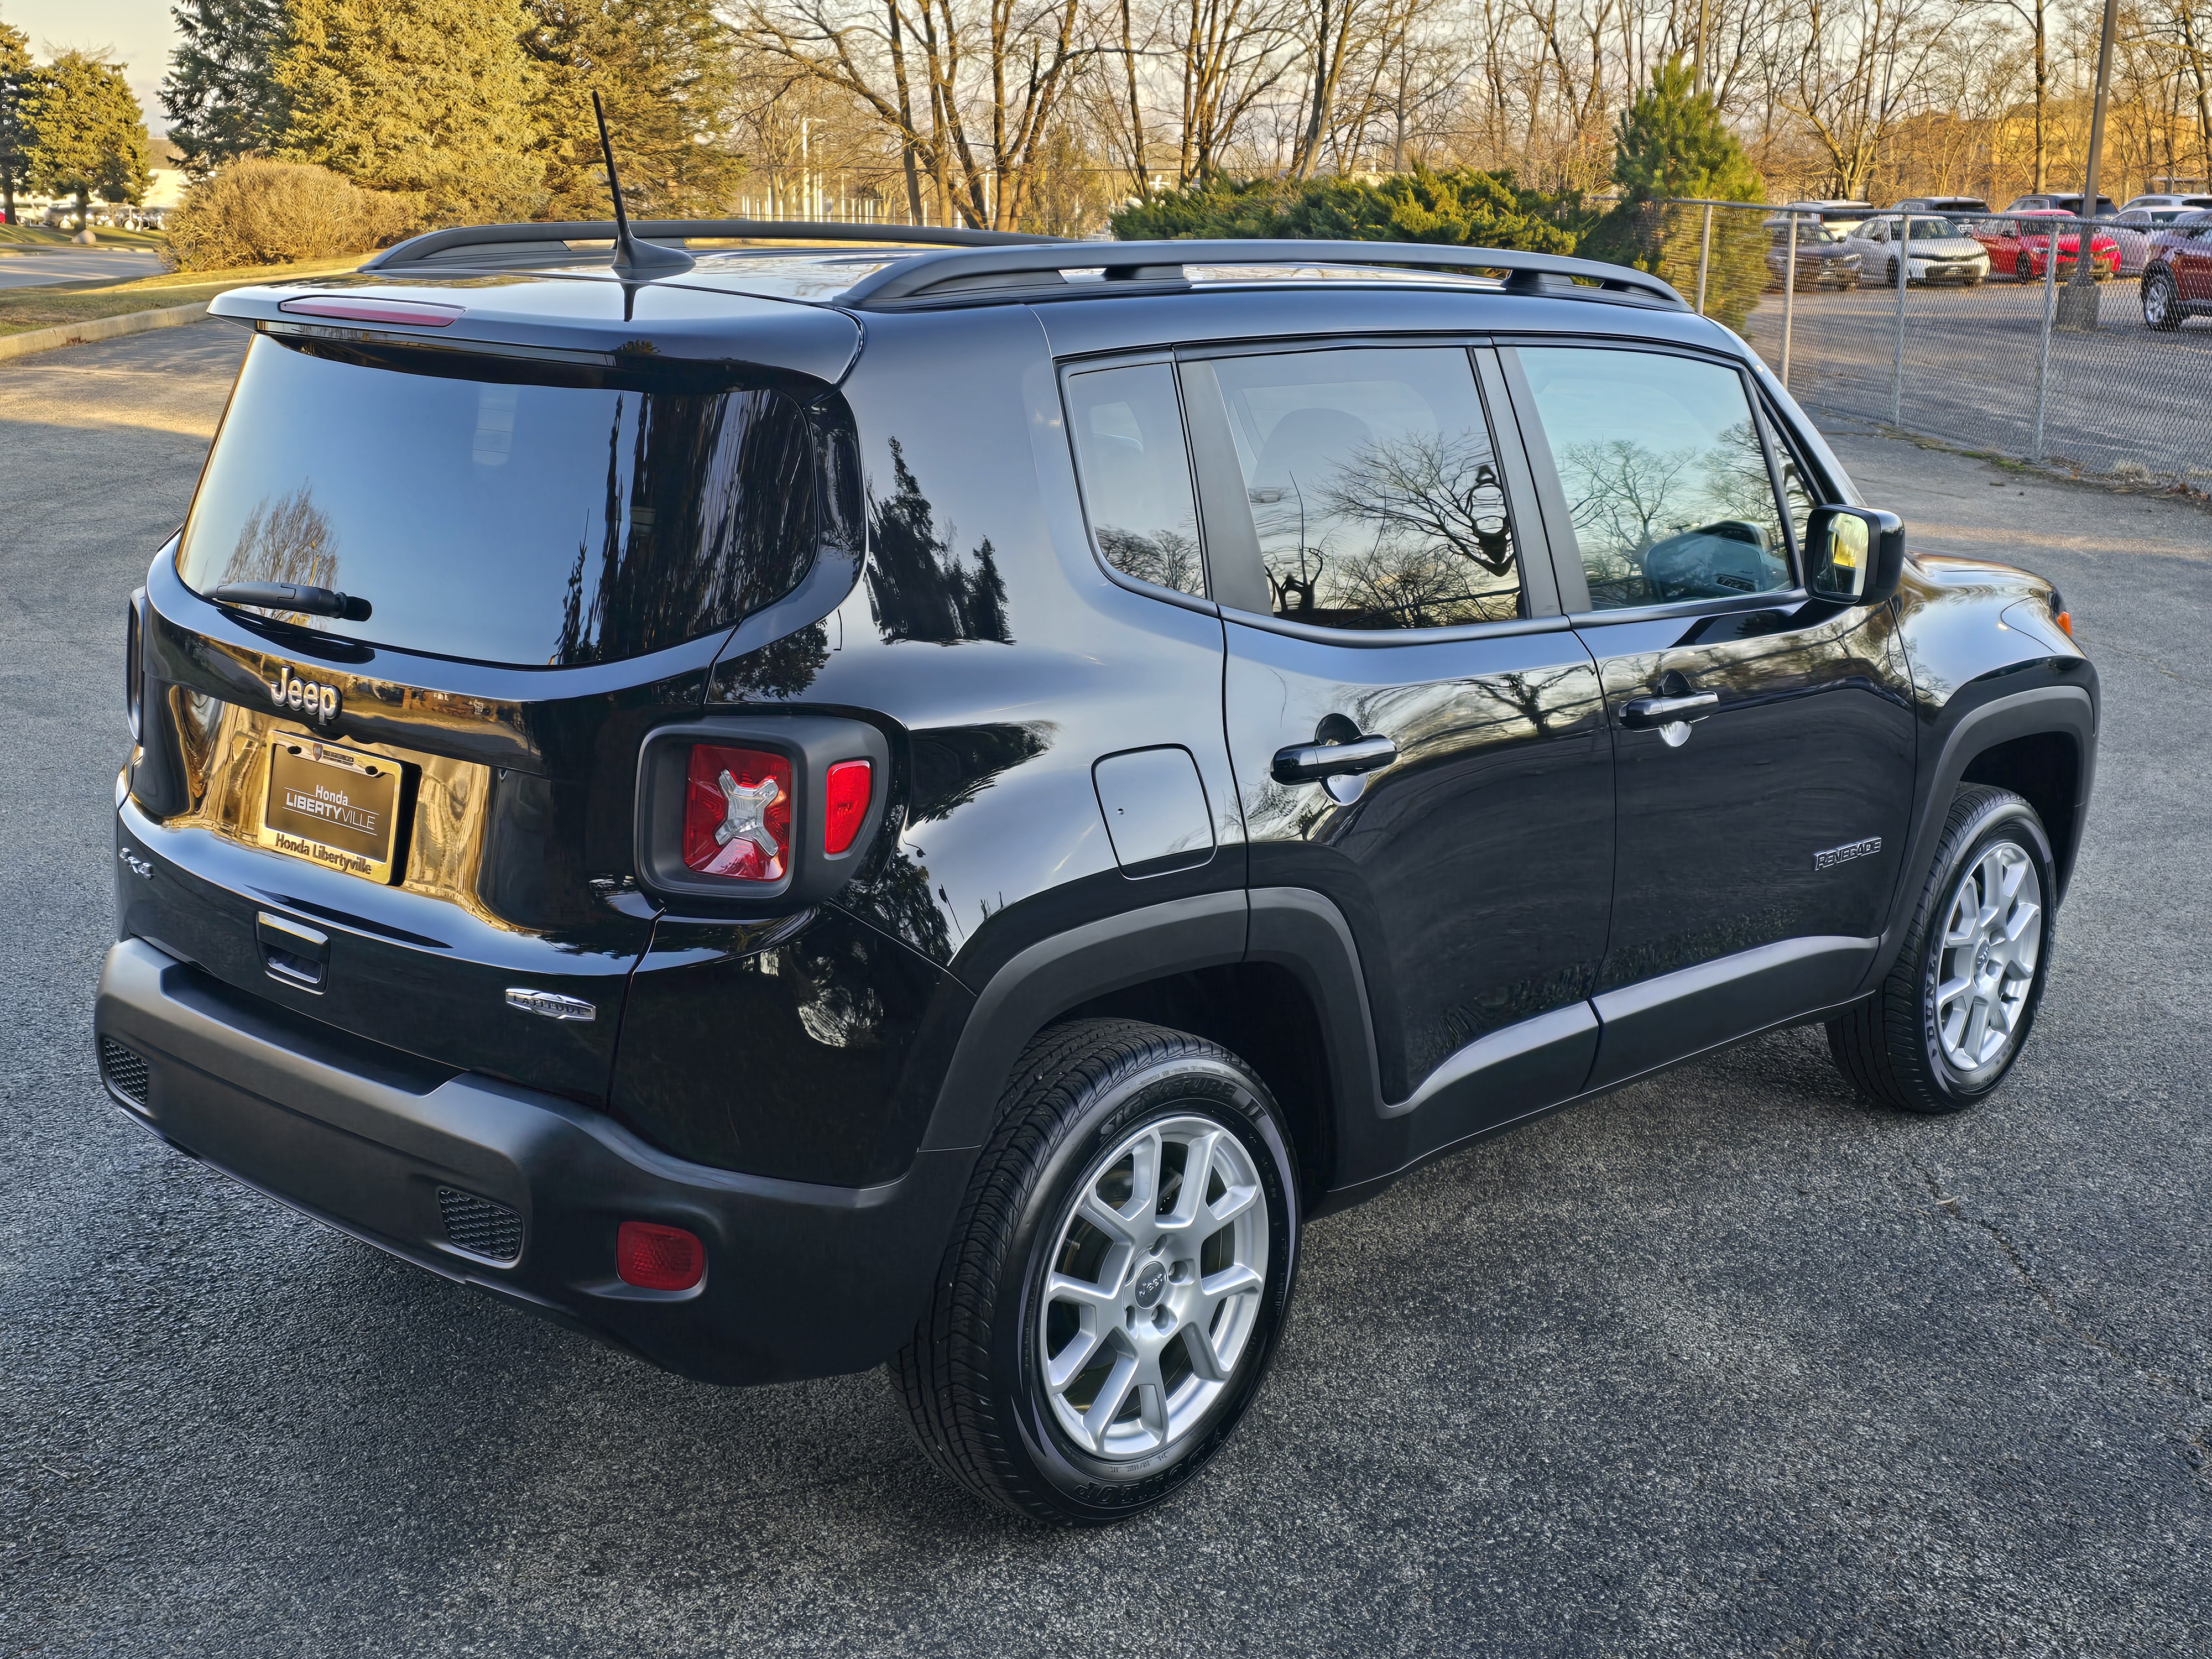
(1939, 252)
(2142, 219)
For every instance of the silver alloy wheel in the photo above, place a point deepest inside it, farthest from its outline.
(1985, 967)
(1153, 1291)
(2155, 297)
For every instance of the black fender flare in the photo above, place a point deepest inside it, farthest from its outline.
(2068, 710)
(1297, 930)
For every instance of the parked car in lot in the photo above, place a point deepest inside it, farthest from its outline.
(2177, 279)
(1935, 249)
(1951, 207)
(2133, 229)
(2016, 246)
(2060, 204)
(2166, 202)
(934, 801)
(1840, 214)
(1825, 259)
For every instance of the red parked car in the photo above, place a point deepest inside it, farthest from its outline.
(2176, 281)
(2016, 246)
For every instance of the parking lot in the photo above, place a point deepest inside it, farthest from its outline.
(1726, 1363)
(2123, 393)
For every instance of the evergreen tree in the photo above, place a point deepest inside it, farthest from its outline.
(14, 117)
(429, 98)
(88, 133)
(1463, 207)
(220, 91)
(1671, 142)
(664, 69)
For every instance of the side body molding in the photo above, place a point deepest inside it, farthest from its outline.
(1656, 1022)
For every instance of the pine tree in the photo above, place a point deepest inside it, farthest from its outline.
(88, 133)
(14, 117)
(429, 98)
(1671, 142)
(220, 91)
(664, 69)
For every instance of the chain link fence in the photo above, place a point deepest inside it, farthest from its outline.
(1992, 345)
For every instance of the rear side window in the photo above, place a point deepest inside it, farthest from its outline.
(505, 513)
(1374, 486)
(1136, 473)
(1665, 475)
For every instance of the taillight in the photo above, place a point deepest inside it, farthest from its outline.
(656, 1258)
(845, 804)
(737, 813)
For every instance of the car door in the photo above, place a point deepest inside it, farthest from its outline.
(1764, 742)
(1417, 736)
(2190, 255)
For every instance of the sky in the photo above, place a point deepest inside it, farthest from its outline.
(138, 32)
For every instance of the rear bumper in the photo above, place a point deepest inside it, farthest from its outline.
(802, 1280)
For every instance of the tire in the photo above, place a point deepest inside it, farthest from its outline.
(2024, 268)
(2161, 302)
(1087, 1102)
(1891, 280)
(1908, 1046)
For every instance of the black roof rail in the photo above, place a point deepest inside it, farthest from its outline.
(510, 243)
(966, 274)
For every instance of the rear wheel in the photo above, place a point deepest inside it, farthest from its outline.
(1117, 1277)
(1949, 1022)
(2161, 302)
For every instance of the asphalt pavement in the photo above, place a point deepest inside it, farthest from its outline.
(20, 267)
(1726, 1363)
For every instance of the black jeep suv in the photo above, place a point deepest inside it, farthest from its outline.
(865, 801)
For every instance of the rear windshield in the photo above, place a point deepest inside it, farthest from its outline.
(515, 514)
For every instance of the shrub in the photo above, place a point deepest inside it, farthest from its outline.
(267, 213)
(1463, 207)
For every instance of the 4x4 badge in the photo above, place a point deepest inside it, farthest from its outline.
(311, 697)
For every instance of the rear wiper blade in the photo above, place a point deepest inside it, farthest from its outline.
(295, 596)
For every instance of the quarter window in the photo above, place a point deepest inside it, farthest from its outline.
(1374, 487)
(1664, 472)
(1136, 473)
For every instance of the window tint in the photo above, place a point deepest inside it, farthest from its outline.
(1136, 473)
(1664, 474)
(1374, 487)
(486, 514)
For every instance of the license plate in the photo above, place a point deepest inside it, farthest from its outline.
(332, 806)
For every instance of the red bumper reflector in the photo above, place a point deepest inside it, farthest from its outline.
(846, 806)
(737, 813)
(656, 1258)
(410, 313)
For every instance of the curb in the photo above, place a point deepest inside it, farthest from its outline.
(99, 328)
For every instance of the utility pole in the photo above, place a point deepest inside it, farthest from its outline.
(2077, 306)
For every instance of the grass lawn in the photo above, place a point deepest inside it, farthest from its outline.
(40, 236)
(22, 308)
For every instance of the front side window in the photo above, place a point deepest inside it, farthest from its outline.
(1374, 487)
(1665, 475)
(1136, 473)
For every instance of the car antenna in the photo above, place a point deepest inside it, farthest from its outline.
(635, 261)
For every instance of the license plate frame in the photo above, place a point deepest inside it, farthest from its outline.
(334, 806)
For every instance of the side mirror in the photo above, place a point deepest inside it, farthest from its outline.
(1853, 555)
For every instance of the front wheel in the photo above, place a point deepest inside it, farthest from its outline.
(1116, 1280)
(2024, 268)
(1958, 1003)
(2161, 302)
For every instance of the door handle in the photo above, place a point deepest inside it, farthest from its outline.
(1642, 713)
(1312, 763)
